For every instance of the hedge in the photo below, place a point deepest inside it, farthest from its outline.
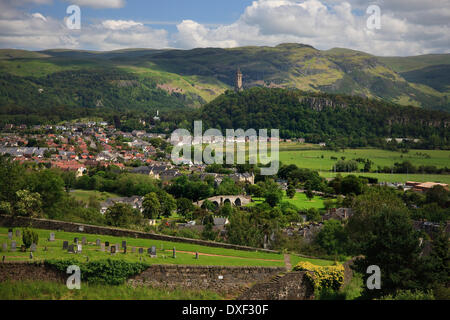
(323, 277)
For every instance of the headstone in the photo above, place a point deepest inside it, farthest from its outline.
(4, 247)
(81, 228)
(71, 248)
(98, 242)
(79, 248)
(106, 244)
(33, 247)
(117, 247)
(113, 250)
(10, 235)
(65, 245)
(174, 253)
(133, 250)
(153, 252)
(149, 251)
(83, 241)
(196, 255)
(31, 255)
(141, 250)
(17, 233)
(13, 245)
(124, 244)
(75, 240)
(52, 237)
(102, 247)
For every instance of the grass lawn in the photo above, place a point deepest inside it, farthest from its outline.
(46, 290)
(185, 252)
(84, 195)
(319, 262)
(300, 201)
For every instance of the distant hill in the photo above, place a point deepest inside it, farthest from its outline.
(147, 79)
(334, 118)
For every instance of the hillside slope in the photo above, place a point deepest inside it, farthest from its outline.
(157, 79)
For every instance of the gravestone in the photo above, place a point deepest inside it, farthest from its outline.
(133, 250)
(117, 247)
(79, 248)
(113, 250)
(10, 235)
(196, 255)
(102, 247)
(83, 241)
(153, 252)
(65, 245)
(4, 247)
(71, 248)
(13, 245)
(174, 253)
(141, 250)
(149, 251)
(106, 244)
(33, 247)
(17, 233)
(98, 242)
(75, 240)
(52, 237)
(81, 228)
(124, 244)
(31, 255)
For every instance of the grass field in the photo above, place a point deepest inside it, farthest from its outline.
(185, 252)
(300, 201)
(46, 290)
(320, 160)
(84, 195)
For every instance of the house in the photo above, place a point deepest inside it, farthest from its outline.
(338, 214)
(425, 186)
(135, 202)
(243, 177)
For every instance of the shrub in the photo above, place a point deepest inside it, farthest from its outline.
(410, 295)
(111, 272)
(29, 237)
(323, 277)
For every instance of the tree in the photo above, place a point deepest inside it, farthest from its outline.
(438, 195)
(392, 244)
(290, 192)
(273, 198)
(28, 204)
(122, 215)
(151, 205)
(313, 215)
(332, 237)
(226, 210)
(168, 203)
(29, 237)
(185, 207)
(351, 184)
(309, 194)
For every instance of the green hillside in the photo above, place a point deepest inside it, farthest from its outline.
(145, 79)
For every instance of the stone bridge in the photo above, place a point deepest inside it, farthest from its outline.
(233, 200)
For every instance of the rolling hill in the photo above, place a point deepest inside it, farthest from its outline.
(146, 79)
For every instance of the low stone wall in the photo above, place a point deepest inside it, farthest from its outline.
(12, 222)
(14, 271)
(291, 286)
(225, 280)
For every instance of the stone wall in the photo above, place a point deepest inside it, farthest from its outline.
(225, 280)
(29, 271)
(291, 286)
(13, 222)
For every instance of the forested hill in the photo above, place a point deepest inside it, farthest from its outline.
(341, 119)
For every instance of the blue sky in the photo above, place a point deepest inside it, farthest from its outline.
(406, 27)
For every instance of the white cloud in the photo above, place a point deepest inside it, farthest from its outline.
(120, 24)
(114, 4)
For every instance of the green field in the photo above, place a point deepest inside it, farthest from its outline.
(321, 161)
(46, 290)
(300, 201)
(84, 195)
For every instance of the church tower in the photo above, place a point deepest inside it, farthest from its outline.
(238, 82)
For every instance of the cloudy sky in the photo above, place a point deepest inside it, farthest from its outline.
(407, 27)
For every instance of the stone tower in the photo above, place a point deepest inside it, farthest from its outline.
(238, 82)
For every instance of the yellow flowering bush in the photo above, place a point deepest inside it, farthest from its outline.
(331, 277)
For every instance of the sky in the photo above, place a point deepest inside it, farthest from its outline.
(404, 27)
